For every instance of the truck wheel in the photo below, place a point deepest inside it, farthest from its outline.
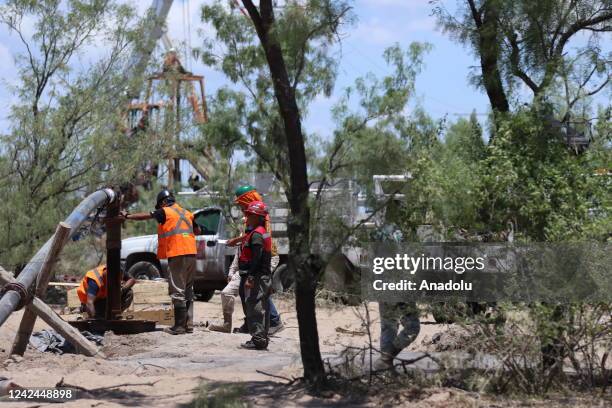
(282, 280)
(144, 270)
(205, 295)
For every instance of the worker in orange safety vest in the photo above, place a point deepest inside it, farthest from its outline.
(93, 292)
(176, 242)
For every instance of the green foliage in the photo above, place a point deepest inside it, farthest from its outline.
(533, 180)
(526, 177)
(553, 47)
(65, 138)
(447, 180)
(465, 139)
(377, 137)
(221, 396)
(247, 118)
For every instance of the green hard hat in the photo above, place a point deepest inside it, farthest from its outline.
(244, 189)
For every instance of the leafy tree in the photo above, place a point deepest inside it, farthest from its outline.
(528, 42)
(533, 180)
(375, 138)
(446, 185)
(282, 62)
(64, 138)
(464, 139)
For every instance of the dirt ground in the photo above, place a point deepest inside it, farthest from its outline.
(159, 370)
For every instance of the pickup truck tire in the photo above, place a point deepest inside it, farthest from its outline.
(204, 295)
(282, 280)
(144, 270)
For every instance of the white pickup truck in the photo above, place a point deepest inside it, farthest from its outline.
(139, 254)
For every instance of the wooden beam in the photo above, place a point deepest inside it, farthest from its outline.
(80, 343)
(62, 232)
(66, 284)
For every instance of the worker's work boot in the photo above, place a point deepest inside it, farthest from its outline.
(180, 320)
(242, 329)
(250, 345)
(385, 362)
(276, 328)
(189, 319)
(225, 327)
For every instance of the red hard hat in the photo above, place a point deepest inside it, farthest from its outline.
(257, 208)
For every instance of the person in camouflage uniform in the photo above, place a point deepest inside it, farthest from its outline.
(392, 315)
(393, 341)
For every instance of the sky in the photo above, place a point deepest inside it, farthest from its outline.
(441, 89)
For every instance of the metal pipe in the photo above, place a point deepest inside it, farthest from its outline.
(14, 297)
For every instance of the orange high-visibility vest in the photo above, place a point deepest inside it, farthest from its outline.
(98, 275)
(175, 237)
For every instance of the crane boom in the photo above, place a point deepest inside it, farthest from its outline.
(158, 12)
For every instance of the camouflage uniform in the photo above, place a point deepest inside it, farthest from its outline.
(392, 342)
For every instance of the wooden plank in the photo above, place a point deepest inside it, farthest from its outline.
(145, 292)
(179, 77)
(146, 286)
(68, 284)
(153, 299)
(28, 320)
(162, 316)
(151, 292)
(72, 299)
(81, 344)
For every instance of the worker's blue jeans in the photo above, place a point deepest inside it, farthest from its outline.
(274, 316)
(275, 319)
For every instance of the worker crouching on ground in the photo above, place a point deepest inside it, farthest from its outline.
(93, 292)
(255, 275)
(245, 195)
(176, 242)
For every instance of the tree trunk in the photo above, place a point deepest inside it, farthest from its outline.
(301, 262)
(488, 46)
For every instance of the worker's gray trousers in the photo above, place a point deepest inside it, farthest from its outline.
(257, 308)
(391, 316)
(181, 271)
